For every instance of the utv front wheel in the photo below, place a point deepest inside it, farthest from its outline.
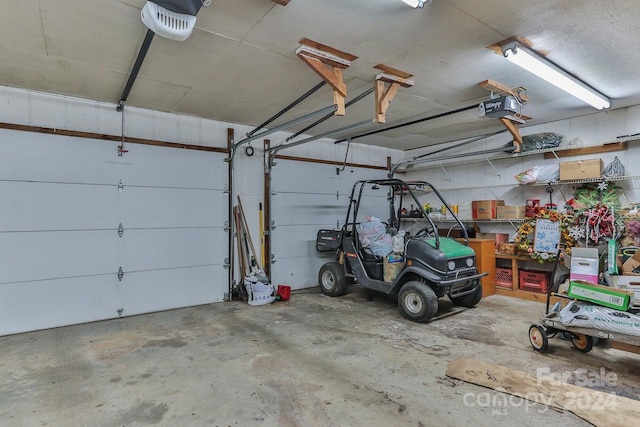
(469, 300)
(332, 280)
(417, 301)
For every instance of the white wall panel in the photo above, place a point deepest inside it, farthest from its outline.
(38, 206)
(51, 303)
(29, 256)
(144, 292)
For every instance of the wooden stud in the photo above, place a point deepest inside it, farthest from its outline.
(514, 130)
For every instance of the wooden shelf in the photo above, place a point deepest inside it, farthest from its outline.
(531, 296)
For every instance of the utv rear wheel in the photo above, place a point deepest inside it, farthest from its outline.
(417, 301)
(332, 280)
(469, 300)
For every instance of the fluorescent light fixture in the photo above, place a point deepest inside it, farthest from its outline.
(541, 67)
(417, 3)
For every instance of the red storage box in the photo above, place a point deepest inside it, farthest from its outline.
(504, 278)
(534, 281)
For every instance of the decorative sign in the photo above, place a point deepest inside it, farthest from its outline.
(546, 236)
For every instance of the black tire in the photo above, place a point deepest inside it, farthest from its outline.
(538, 338)
(332, 280)
(469, 300)
(583, 343)
(417, 301)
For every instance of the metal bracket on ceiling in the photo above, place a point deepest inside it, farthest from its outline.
(494, 168)
(385, 94)
(446, 173)
(328, 63)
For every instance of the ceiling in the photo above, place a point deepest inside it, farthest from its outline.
(240, 65)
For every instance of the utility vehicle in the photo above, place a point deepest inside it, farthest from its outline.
(432, 266)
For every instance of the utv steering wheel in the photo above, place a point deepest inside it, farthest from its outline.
(425, 231)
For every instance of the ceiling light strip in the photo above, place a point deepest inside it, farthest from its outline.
(541, 67)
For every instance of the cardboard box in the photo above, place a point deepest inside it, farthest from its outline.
(602, 295)
(510, 212)
(628, 283)
(632, 264)
(465, 211)
(581, 169)
(584, 265)
(485, 209)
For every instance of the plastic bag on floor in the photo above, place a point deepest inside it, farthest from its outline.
(259, 293)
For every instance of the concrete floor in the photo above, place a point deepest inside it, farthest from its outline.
(311, 361)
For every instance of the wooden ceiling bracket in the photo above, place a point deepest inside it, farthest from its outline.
(328, 63)
(388, 82)
(514, 130)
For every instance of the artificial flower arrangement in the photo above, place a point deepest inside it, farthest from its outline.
(525, 236)
(597, 213)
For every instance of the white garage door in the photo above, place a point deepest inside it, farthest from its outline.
(309, 197)
(60, 249)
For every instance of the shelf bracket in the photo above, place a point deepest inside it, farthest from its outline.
(494, 194)
(514, 130)
(385, 94)
(494, 168)
(555, 155)
(445, 172)
(328, 63)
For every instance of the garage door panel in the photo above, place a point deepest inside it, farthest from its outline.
(32, 206)
(295, 241)
(316, 178)
(299, 272)
(51, 303)
(309, 197)
(26, 157)
(171, 167)
(53, 255)
(149, 291)
(147, 207)
(170, 248)
(308, 209)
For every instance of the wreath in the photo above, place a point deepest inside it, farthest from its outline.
(524, 237)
